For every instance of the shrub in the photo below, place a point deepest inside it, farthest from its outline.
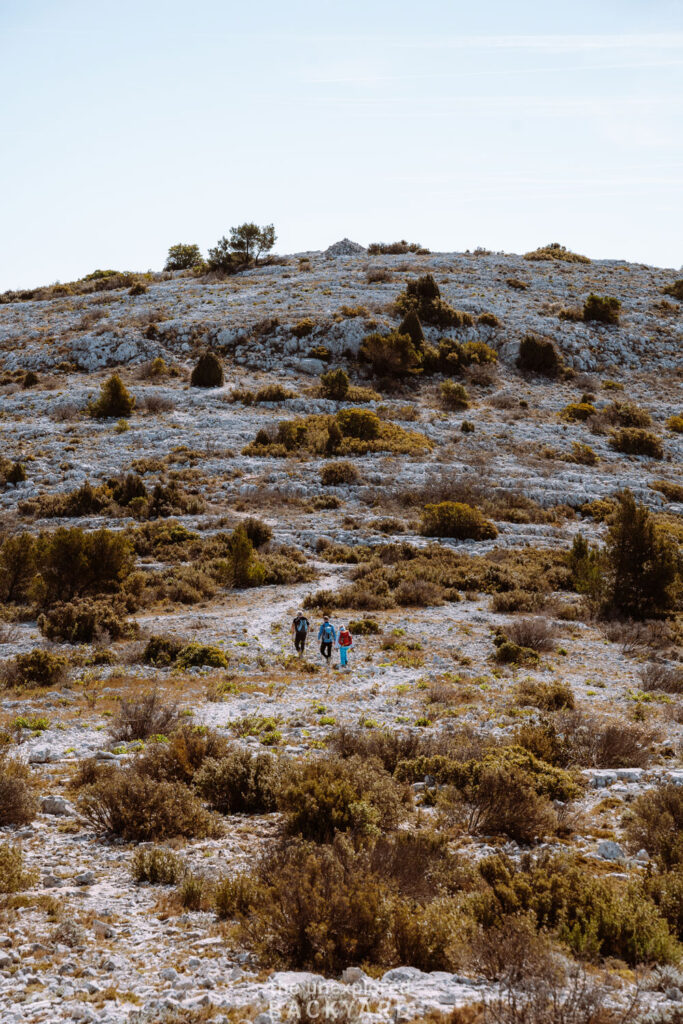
(517, 284)
(321, 798)
(597, 744)
(509, 653)
(655, 822)
(536, 633)
(141, 809)
(675, 424)
(632, 441)
(161, 651)
(503, 799)
(16, 473)
(337, 473)
(593, 916)
(552, 696)
(319, 908)
(71, 563)
(157, 866)
(137, 288)
(643, 562)
(675, 289)
(539, 355)
(390, 355)
(546, 780)
(364, 627)
(147, 716)
(183, 257)
(456, 519)
(182, 756)
(239, 783)
(334, 384)
(401, 248)
(84, 620)
(18, 802)
(40, 668)
(555, 251)
(114, 402)
(627, 414)
(662, 678)
(244, 569)
(577, 412)
(410, 325)
(30, 379)
(359, 423)
(488, 320)
(13, 876)
(208, 372)
(249, 241)
(17, 567)
(454, 395)
(258, 532)
(195, 654)
(603, 309)
(422, 295)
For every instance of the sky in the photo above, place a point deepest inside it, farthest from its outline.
(126, 128)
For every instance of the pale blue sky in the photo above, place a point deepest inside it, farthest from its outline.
(129, 126)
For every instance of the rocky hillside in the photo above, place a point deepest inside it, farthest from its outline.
(479, 817)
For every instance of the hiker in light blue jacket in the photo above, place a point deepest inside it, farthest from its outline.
(327, 636)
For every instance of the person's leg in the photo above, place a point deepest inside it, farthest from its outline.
(342, 656)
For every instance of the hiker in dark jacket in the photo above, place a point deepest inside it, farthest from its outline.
(327, 636)
(300, 626)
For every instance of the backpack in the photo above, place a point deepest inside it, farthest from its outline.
(328, 633)
(301, 625)
(345, 638)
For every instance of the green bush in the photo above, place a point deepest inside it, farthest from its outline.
(410, 325)
(456, 519)
(258, 532)
(195, 654)
(502, 799)
(40, 668)
(634, 441)
(390, 355)
(183, 257)
(323, 797)
(555, 251)
(157, 866)
(655, 822)
(114, 402)
(18, 802)
(539, 355)
(401, 248)
(364, 627)
(71, 563)
(593, 916)
(16, 473)
(30, 379)
(453, 356)
(17, 568)
(321, 909)
(603, 309)
(422, 295)
(208, 372)
(643, 562)
(161, 651)
(337, 473)
(578, 412)
(239, 783)
(454, 395)
(13, 875)
(675, 424)
(546, 780)
(244, 569)
(139, 808)
(334, 384)
(85, 619)
(627, 414)
(675, 289)
(359, 423)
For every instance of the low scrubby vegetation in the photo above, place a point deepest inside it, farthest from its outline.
(350, 432)
(555, 251)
